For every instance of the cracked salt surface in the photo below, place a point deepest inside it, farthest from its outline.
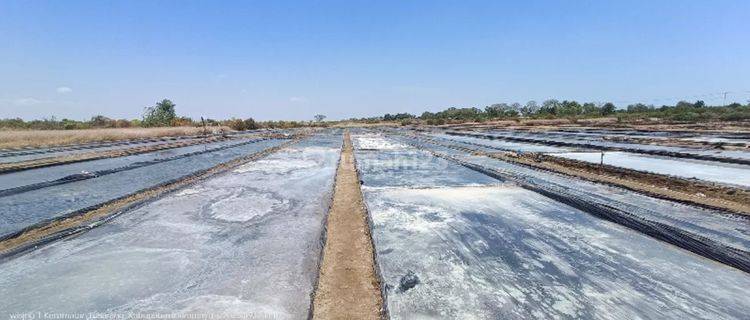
(503, 252)
(242, 243)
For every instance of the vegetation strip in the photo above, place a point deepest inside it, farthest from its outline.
(91, 217)
(704, 194)
(96, 174)
(348, 285)
(598, 147)
(97, 155)
(697, 244)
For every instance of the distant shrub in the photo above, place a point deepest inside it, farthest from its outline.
(162, 114)
(435, 122)
(735, 116)
(687, 117)
(241, 125)
(182, 122)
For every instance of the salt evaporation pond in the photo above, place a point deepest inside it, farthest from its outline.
(38, 175)
(502, 252)
(504, 145)
(728, 229)
(241, 245)
(64, 151)
(703, 170)
(22, 210)
(542, 138)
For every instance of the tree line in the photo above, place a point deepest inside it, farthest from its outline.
(161, 114)
(552, 108)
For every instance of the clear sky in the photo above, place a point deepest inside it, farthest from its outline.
(291, 60)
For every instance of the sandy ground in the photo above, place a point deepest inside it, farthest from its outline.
(348, 287)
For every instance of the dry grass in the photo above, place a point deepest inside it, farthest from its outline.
(10, 139)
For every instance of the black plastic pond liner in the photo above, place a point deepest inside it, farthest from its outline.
(599, 147)
(697, 244)
(95, 174)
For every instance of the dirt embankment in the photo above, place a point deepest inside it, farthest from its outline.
(348, 286)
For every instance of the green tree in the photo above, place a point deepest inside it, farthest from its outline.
(638, 107)
(427, 115)
(100, 121)
(608, 108)
(683, 105)
(590, 108)
(569, 108)
(250, 124)
(549, 106)
(160, 115)
(515, 109)
(495, 110)
(530, 108)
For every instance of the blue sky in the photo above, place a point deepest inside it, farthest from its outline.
(291, 60)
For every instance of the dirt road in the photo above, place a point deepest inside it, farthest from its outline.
(348, 286)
